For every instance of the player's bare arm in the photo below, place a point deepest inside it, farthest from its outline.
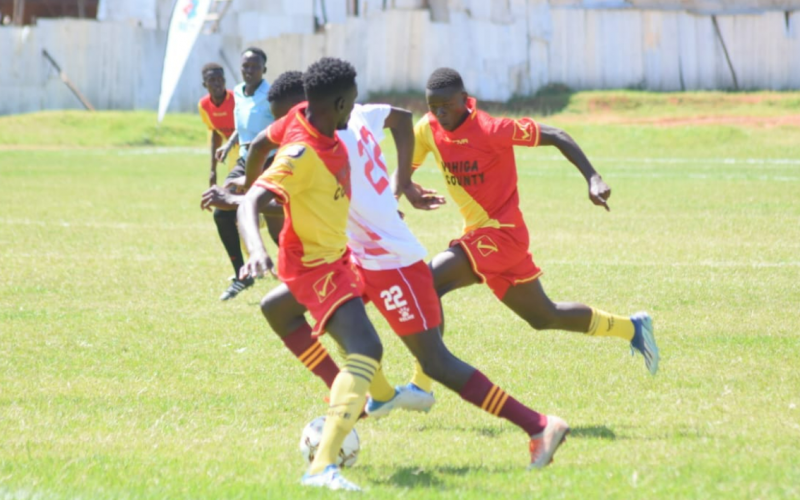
(216, 141)
(255, 201)
(256, 157)
(235, 185)
(400, 122)
(598, 189)
(224, 199)
(221, 153)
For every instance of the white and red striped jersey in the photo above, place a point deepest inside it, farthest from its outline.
(378, 237)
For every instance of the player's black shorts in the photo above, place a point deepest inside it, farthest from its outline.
(238, 170)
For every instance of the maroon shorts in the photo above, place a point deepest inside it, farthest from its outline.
(405, 297)
(498, 257)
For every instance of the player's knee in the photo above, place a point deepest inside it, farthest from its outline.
(367, 345)
(268, 307)
(437, 363)
(435, 370)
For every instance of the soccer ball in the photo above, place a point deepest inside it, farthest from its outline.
(309, 443)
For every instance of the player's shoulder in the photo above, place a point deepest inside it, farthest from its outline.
(423, 122)
(373, 107)
(359, 110)
(295, 153)
(361, 114)
(204, 101)
(485, 118)
(491, 124)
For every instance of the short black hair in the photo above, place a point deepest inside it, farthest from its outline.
(288, 84)
(258, 52)
(212, 66)
(328, 76)
(445, 78)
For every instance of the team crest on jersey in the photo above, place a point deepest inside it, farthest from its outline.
(523, 131)
(486, 245)
(294, 150)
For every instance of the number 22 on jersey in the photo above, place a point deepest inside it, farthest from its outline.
(368, 146)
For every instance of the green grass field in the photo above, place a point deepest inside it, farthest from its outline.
(123, 377)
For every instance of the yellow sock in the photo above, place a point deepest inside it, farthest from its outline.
(380, 390)
(604, 324)
(348, 394)
(421, 380)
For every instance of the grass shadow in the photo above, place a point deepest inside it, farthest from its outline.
(486, 431)
(418, 477)
(593, 432)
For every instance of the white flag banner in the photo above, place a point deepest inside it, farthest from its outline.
(188, 18)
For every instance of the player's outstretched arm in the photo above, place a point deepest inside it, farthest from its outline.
(222, 152)
(217, 197)
(400, 122)
(216, 141)
(256, 157)
(598, 189)
(259, 263)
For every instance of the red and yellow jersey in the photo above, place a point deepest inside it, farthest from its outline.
(219, 119)
(477, 160)
(311, 177)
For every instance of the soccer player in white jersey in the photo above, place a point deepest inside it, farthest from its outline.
(395, 278)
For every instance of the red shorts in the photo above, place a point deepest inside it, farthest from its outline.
(405, 297)
(324, 288)
(499, 257)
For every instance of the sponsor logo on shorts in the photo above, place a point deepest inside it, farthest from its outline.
(405, 315)
(486, 245)
(325, 286)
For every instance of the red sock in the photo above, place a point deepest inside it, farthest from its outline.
(312, 354)
(481, 392)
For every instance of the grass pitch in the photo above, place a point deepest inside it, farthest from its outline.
(122, 376)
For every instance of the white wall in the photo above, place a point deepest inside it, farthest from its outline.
(115, 65)
(502, 49)
(665, 50)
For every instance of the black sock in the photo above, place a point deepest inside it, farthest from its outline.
(229, 234)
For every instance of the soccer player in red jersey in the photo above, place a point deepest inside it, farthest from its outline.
(475, 152)
(310, 176)
(284, 306)
(216, 111)
(389, 261)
